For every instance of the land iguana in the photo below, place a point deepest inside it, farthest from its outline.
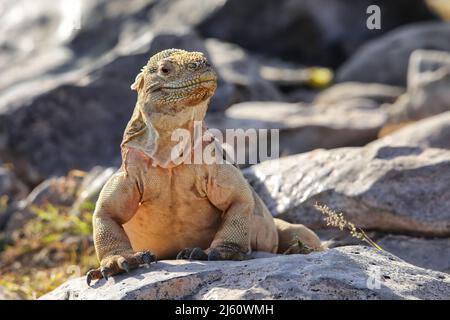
(152, 207)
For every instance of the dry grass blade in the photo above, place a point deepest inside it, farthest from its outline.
(335, 219)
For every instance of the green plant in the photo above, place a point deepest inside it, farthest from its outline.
(46, 250)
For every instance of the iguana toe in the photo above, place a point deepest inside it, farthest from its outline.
(113, 265)
(145, 257)
(105, 271)
(124, 266)
(228, 252)
(192, 254)
(182, 254)
(198, 254)
(214, 255)
(298, 248)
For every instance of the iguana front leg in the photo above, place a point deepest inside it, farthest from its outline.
(227, 190)
(117, 203)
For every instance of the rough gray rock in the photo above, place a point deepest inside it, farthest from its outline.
(304, 128)
(433, 132)
(354, 272)
(306, 31)
(428, 253)
(428, 87)
(399, 189)
(42, 49)
(395, 48)
(345, 91)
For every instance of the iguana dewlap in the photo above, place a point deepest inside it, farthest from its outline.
(153, 207)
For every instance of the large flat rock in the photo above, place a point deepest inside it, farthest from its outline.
(353, 272)
(402, 189)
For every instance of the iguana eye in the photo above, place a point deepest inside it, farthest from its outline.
(164, 69)
(192, 65)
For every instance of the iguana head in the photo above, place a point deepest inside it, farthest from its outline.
(175, 78)
(174, 90)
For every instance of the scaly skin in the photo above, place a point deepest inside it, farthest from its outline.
(153, 207)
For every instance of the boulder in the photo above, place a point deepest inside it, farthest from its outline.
(47, 45)
(385, 188)
(311, 32)
(353, 272)
(395, 47)
(432, 132)
(428, 87)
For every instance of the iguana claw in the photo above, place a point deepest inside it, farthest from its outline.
(227, 251)
(93, 274)
(148, 257)
(192, 254)
(89, 278)
(125, 266)
(104, 271)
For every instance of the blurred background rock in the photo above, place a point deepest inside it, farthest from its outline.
(310, 68)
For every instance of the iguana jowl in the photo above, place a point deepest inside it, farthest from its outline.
(153, 207)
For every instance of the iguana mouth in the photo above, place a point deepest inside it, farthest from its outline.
(188, 85)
